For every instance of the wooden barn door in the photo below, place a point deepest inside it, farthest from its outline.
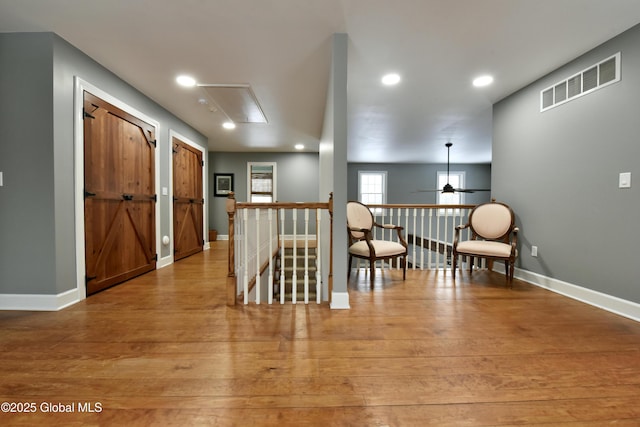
(188, 203)
(120, 199)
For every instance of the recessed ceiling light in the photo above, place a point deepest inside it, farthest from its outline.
(229, 125)
(298, 147)
(186, 81)
(391, 79)
(482, 81)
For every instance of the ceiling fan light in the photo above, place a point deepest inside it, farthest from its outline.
(448, 188)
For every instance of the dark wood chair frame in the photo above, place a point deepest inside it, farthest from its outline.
(368, 237)
(510, 237)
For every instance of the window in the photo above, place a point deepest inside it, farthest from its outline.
(372, 188)
(261, 182)
(456, 179)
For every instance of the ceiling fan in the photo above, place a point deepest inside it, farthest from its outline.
(448, 188)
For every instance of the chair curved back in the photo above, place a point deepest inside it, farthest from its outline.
(358, 216)
(492, 221)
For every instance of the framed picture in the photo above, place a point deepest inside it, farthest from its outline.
(222, 184)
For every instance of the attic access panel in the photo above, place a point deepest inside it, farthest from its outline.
(237, 101)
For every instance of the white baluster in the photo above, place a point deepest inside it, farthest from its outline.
(258, 249)
(270, 255)
(246, 256)
(445, 240)
(430, 235)
(415, 236)
(282, 258)
(294, 277)
(318, 256)
(406, 230)
(421, 238)
(438, 258)
(306, 256)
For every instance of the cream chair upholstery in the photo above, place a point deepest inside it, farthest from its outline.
(494, 236)
(362, 244)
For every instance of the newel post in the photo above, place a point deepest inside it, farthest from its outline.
(231, 275)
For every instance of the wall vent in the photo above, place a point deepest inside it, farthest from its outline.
(593, 78)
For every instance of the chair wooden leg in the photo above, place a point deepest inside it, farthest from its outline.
(404, 267)
(372, 271)
(349, 267)
(470, 264)
(507, 271)
(454, 265)
(511, 271)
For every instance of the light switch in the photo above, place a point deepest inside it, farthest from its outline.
(165, 191)
(1, 180)
(624, 180)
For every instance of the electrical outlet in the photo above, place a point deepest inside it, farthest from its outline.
(534, 251)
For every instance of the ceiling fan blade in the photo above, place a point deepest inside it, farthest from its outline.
(427, 191)
(471, 190)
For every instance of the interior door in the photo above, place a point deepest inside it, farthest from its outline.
(188, 202)
(120, 199)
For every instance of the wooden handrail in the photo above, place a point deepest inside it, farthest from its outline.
(283, 205)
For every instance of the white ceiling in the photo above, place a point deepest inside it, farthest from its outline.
(283, 49)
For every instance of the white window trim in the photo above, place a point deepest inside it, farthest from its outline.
(275, 178)
(384, 183)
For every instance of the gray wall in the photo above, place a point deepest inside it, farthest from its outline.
(36, 155)
(297, 180)
(27, 232)
(403, 180)
(559, 171)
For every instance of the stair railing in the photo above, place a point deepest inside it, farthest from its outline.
(259, 233)
(428, 229)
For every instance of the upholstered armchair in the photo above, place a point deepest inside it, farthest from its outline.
(494, 236)
(362, 244)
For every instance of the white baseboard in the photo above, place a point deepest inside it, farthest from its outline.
(27, 302)
(163, 262)
(340, 301)
(619, 306)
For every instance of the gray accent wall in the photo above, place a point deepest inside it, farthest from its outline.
(559, 171)
(297, 180)
(37, 219)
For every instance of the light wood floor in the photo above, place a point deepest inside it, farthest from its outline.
(163, 349)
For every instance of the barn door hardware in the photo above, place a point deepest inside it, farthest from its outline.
(88, 194)
(127, 197)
